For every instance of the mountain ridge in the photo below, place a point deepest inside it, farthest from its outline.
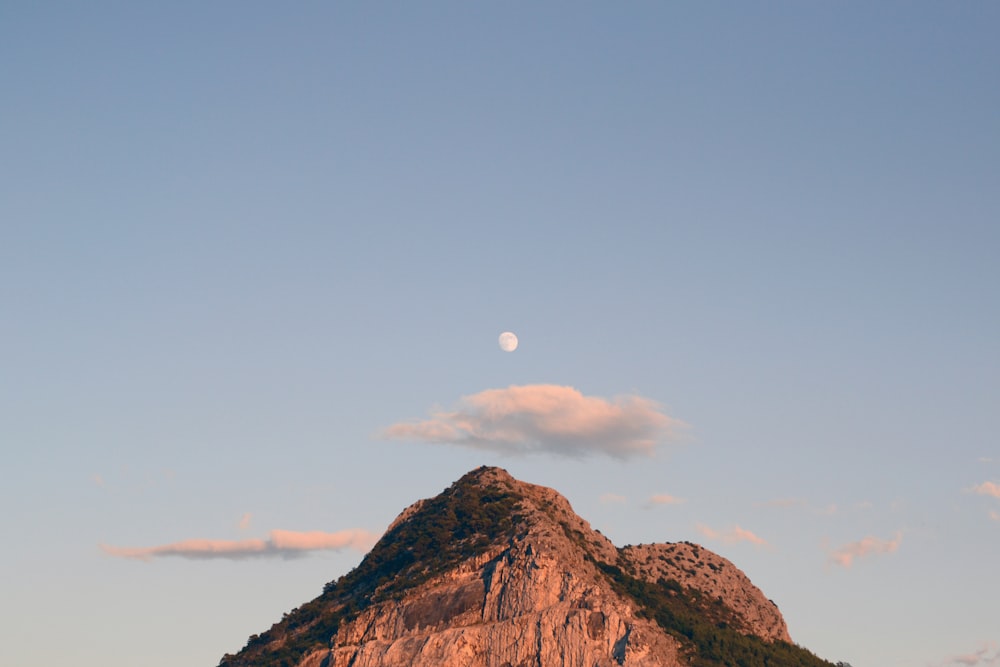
(502, 573)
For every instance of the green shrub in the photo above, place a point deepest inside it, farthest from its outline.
(709, 631)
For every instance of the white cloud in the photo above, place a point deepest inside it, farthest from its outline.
(869, 546)
(550, 419)
(280, 543)
(732, 535)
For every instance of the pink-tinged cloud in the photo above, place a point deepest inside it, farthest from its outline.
(316, 540)
(988, 655)
(987, 489)
(245, 521)
(732, 535)
(545, 418)
(664, 499)
(611, 498)
(280, 543)
(995, 515)
(869, 546)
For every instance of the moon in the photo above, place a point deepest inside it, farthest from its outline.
(508, 341)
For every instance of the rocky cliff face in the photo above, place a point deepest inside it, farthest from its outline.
(499, 573)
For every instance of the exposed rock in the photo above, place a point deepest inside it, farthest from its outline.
(499, 573)
(696, 567)
(523, 604)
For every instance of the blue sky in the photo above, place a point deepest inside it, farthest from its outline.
(240, 242)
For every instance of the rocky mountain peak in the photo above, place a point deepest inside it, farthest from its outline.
(498, 572)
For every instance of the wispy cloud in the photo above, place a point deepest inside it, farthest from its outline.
(607, 498)
(663, 499)
(245, 521)
(987, 655)
(987, 489)
(869, 546)
(995, 515)
(280, 543)
(545, 418)
(731, 536)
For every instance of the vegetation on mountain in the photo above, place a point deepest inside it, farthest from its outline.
(708, 629)
(480, 511)
(460, 523)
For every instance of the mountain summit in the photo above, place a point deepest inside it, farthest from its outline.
(495, 572)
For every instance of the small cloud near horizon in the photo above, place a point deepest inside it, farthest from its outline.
(245, 520)
(869, 546)
(987, 655)
(543, 418)
(991, 489)
(732, 536)
(279, 543)
(606, 498)
(663, 499)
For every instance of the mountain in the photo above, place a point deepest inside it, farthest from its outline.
(495, 572)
